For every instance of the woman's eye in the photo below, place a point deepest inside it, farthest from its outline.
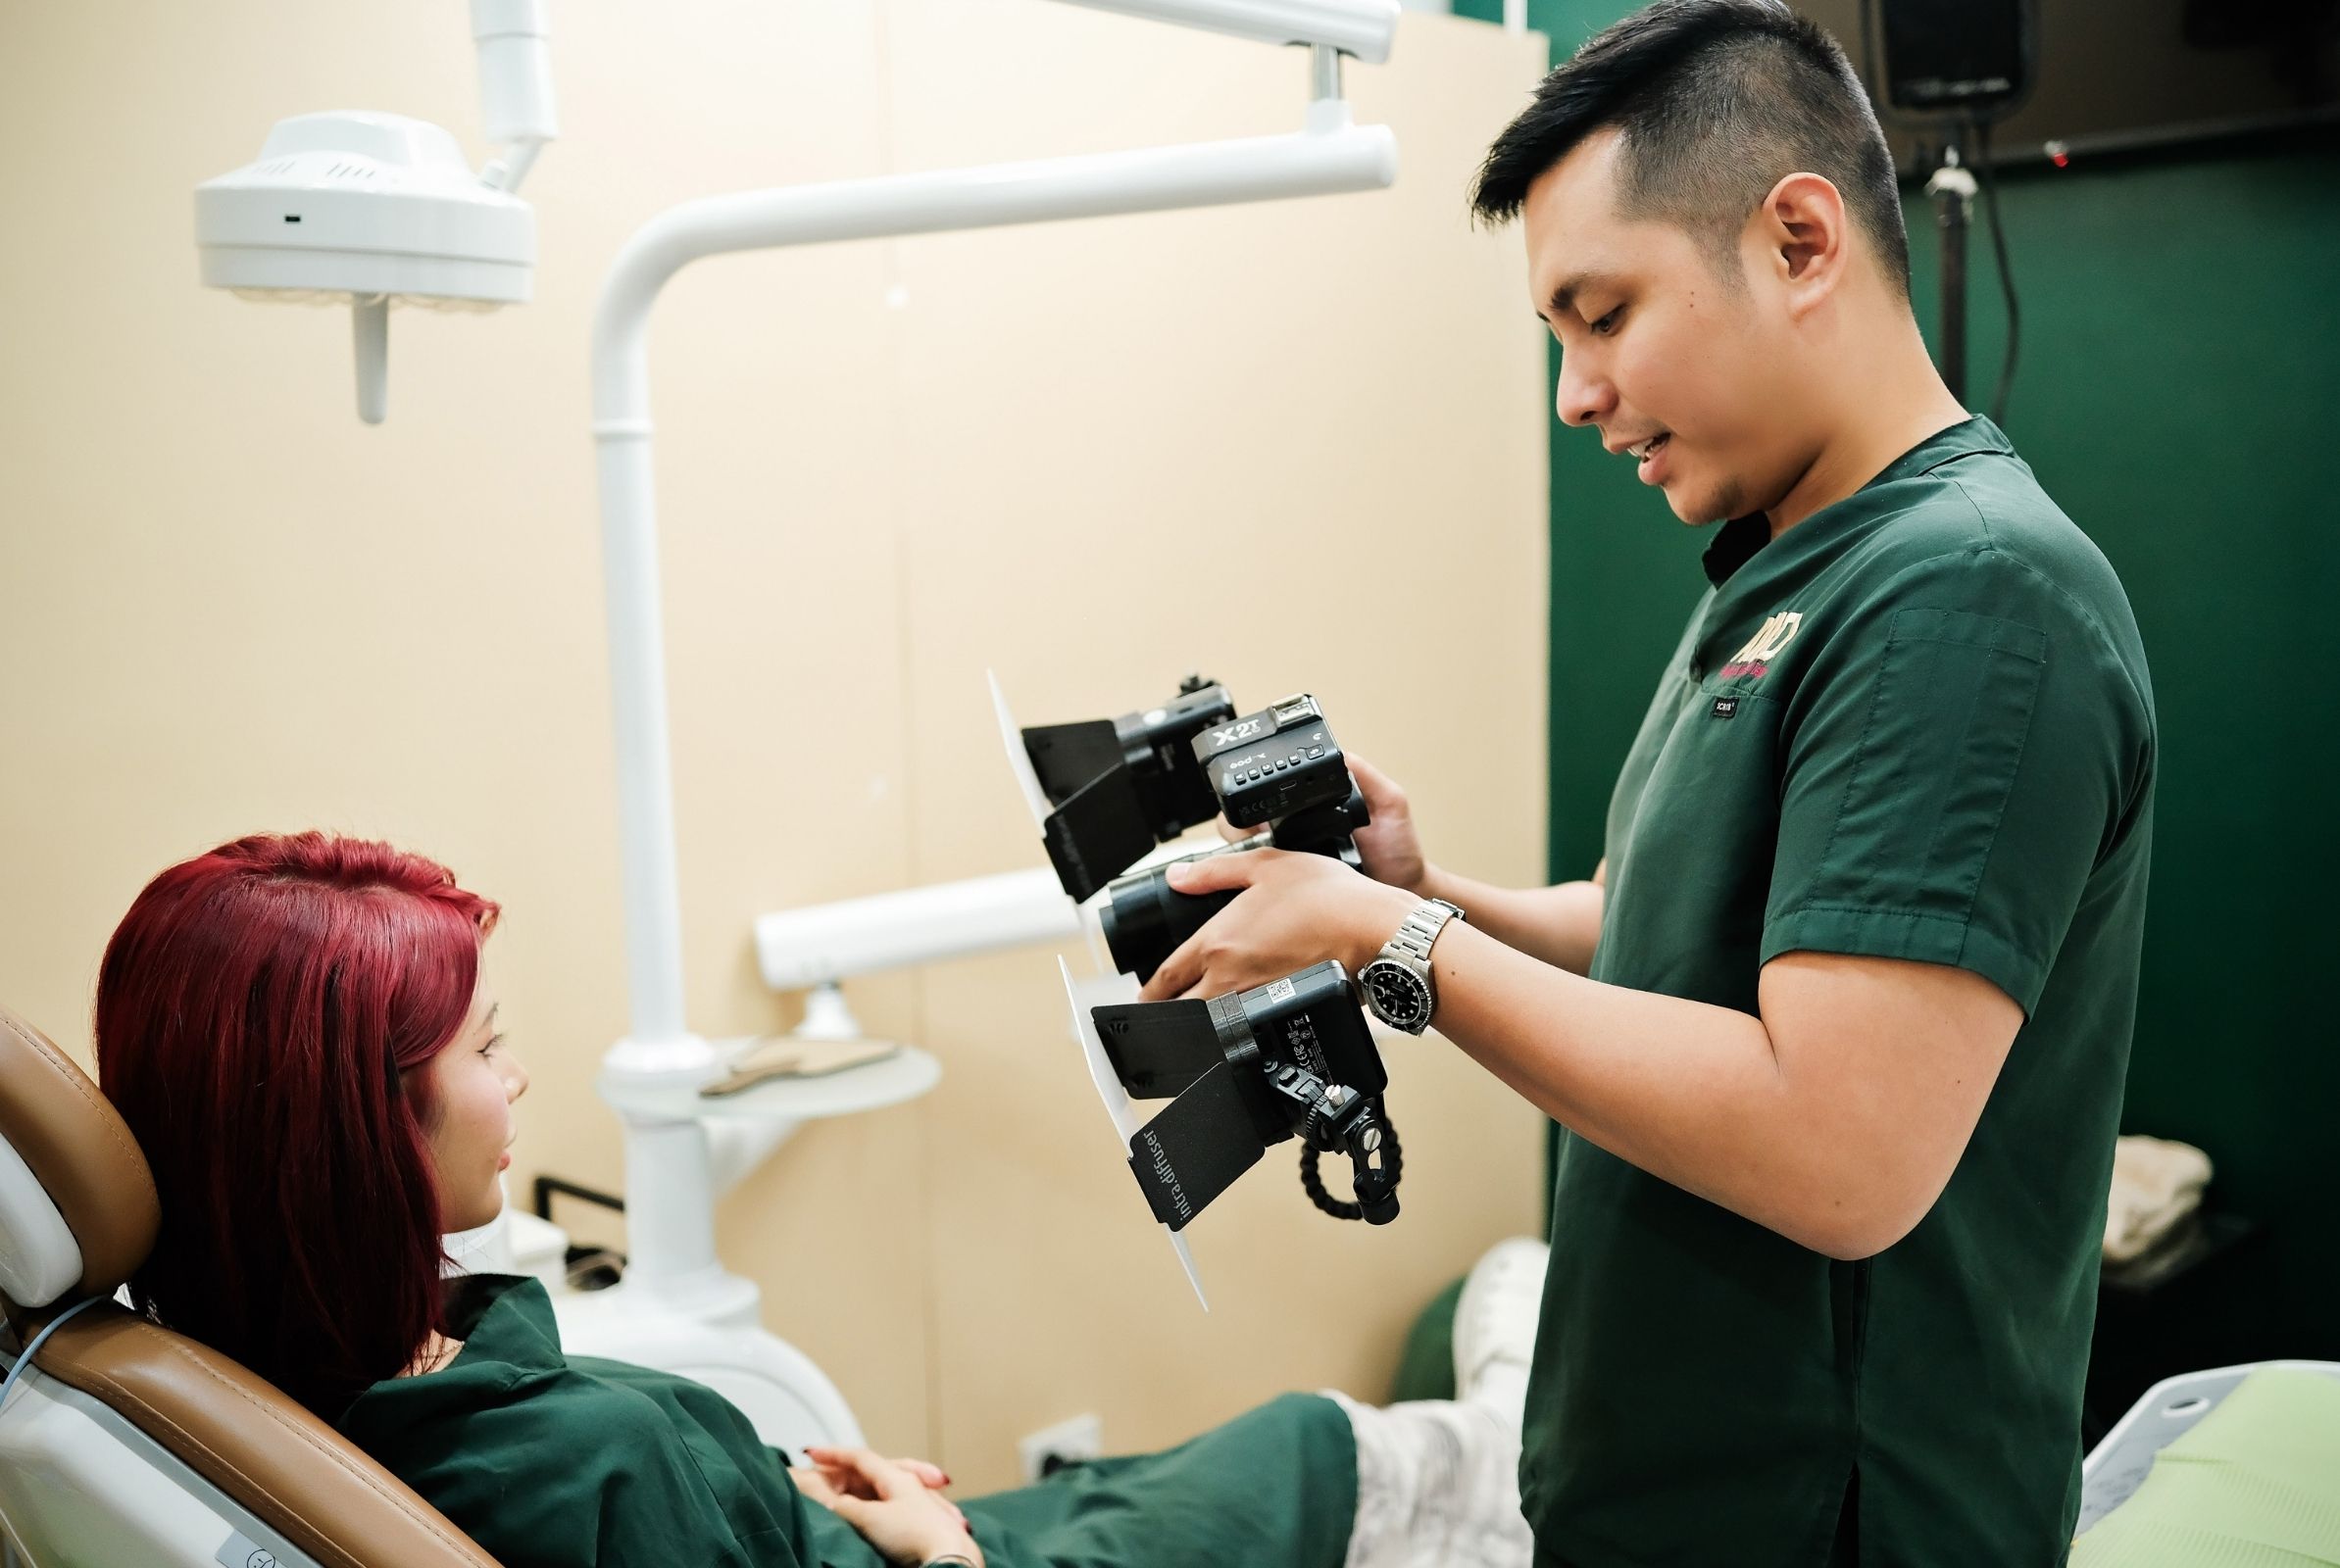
(490, 1047)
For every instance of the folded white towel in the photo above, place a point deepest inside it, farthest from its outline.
(2156, 1182)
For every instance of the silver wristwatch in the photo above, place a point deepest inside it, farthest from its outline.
(1397, 983)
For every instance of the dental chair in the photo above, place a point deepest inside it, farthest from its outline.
(122, 1443)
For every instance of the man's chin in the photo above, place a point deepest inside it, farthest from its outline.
(1698, 506)
(1695, 511)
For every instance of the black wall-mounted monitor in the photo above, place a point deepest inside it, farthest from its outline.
(2105, 74)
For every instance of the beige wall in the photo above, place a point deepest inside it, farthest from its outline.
(1298, 446)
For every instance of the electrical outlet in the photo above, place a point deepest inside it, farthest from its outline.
(1082, 1438)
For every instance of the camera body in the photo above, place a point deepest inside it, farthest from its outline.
(1249, 1071)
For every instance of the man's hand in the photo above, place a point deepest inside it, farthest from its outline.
(892, 1503)
(1389, 845)
(1295, 910)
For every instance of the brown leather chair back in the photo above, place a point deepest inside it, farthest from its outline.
(266, 1453)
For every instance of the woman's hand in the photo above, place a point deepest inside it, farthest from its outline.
(895, 1505)
(1296, 910)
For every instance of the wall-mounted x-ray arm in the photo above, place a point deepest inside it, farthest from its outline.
(1352, 28)
(672, 1241)
(1332, 156)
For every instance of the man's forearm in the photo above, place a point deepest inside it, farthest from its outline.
(1691, 1093)
(1558, 925)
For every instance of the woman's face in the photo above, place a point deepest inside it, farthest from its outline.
(473, 1082)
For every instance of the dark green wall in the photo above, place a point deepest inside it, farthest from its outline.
(2179, 394)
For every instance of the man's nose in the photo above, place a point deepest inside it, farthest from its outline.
(1584, 397)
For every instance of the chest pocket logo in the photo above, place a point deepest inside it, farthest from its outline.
(1764, 646)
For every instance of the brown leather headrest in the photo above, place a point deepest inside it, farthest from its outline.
(78, 1147)
(252, 1442)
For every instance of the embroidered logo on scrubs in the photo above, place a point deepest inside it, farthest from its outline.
(1764, 646)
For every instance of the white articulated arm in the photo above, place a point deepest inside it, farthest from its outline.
(515, 85)
(1336, 157)
(1359, 27)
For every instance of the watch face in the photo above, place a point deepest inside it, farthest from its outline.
(1398, 994)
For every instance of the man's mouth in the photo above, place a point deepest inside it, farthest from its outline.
(1649, 448)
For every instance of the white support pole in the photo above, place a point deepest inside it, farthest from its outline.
(670, 1187)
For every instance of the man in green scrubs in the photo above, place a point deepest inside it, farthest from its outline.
(1837, 1033)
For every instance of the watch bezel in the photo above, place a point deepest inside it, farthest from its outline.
(1417, 1018)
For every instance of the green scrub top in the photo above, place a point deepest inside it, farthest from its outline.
(1916, 726)
(552, 1461)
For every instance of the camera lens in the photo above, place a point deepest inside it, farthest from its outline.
(1146, 920)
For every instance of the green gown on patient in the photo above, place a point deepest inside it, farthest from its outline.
(552, 1462)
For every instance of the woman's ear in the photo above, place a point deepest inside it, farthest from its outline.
(1805, 238)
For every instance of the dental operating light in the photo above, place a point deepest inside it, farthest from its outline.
(376, 208)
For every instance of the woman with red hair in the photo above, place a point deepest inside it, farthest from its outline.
(295, 1029)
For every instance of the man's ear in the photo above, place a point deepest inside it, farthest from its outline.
(1805, 241)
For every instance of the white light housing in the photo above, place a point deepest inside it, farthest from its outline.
(376, 208)
(370, 208)
(1359, 27)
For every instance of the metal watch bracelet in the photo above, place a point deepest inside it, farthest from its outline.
(1418, 932)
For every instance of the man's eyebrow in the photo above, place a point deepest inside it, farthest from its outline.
(1564, 296)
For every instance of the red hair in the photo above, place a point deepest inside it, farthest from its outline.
(255, 1013)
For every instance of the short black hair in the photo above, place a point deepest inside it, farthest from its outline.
(1716, 101)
